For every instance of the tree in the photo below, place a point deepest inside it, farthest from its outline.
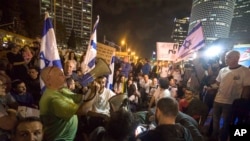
(72, 40)
(60, 33)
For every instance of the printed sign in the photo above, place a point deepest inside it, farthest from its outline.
(167, 51)
(105, 52)
(244, 50)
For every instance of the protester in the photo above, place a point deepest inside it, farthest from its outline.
(164, 70)
(145, 89)
(72, 57)
(28, 129)
(125, 67)
(59, 106)
(146, 68)
(230, 80)
(17, 63)
(33, 84)
(27, 54)
(160, 92)
(241, 108)
(121, 127)
(167, 128)
(69, 70)
(120, 85)
(21, 95)
(133, 95)
(189, 123)
(7, 115)
(192, 106)
(4, 73)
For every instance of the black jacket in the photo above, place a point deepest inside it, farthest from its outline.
(166, 133)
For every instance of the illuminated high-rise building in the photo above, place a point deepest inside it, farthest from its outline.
(180, 30)
(215, 15)
(72, 14)
(240, 27)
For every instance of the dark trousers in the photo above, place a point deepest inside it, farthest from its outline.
(224, 112)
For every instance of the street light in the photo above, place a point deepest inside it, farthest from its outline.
(123, 42)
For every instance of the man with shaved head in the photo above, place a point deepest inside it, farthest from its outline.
(59, 106)
(230, 82)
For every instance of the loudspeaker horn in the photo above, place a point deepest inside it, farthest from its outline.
(100, 69)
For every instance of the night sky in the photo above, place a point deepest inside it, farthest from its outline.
(140, 22)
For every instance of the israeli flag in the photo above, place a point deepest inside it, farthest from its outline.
(111, 76)
(89, 61)
(193, 42)
(49, 55)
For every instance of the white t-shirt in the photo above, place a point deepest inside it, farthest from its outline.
(160, 93)
(146, 85)
(164, 72)
(177, 76)
(101, 104)
(232, 82)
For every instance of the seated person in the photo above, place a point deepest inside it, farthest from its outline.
(120, 127)
(160, 92)
(20, 94)
(99, 113)
(133, 95)
(193, 106)
(120, 85)
(191, 124)
(241, 108)
(7, 115)
(101, 104)
(167, 128)
(28, 129)
(173, 88)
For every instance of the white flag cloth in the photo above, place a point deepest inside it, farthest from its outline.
(89, 61)
(194, 41)
(49, 55)
(112, 68)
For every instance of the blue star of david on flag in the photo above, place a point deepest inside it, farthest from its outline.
(49, 55)
(46, 61)
(193, 42)
(187, 44)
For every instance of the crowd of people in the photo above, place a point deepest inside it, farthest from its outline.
(148, 101)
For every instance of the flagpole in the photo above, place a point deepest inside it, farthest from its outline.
(55, 16)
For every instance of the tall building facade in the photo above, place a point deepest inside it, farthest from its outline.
(240, 27)
(73, 14)
(180, 30)
(215, 15)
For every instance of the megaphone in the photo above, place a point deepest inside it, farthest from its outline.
(101, 68)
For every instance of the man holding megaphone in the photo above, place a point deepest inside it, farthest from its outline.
(59, 106)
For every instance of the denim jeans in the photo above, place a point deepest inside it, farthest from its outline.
(224, 112)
